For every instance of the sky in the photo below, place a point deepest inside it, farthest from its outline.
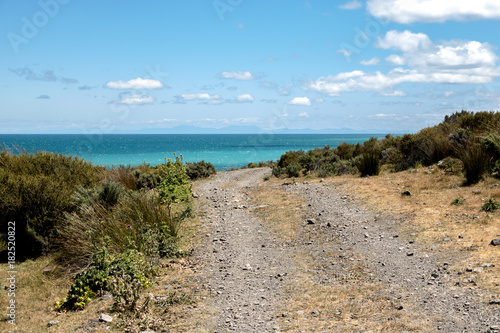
(378, 66)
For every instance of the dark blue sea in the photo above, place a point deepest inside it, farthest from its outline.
(224, 151)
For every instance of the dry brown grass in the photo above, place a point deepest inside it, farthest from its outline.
(431, 216)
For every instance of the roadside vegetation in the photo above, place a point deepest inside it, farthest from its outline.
(94, 230)
(465, 142)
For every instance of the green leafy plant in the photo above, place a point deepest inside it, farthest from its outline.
(124, 276)
(490, 205)
(458, 201)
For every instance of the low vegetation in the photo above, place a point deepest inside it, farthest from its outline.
(102, 230)
(464, 142)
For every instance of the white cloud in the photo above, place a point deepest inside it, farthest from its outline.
(303, 114)
(395, 60)
(245, 98)
(464, 62)
(136, 99)
(405, 41)
(199, 96)
(136, 84)
(345, 53)
(300, 101)
(409, 11)
(371, 62)
(395, 93)
(354, 4)
(242, 76)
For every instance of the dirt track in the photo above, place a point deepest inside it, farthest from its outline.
(246, 269)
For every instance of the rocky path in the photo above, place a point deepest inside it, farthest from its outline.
(412, 274)
(245, 268)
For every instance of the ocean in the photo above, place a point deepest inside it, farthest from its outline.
(224, 151)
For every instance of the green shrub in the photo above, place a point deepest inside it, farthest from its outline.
(490, 205)
(458, 201)
(293, 170)
(369, 164)
(450, 164)
(36, 191)
(201, 169)
(124, 275)
(174, 184)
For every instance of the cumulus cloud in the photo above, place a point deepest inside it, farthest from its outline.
(355, 4)
(136, 100)
(245, 98)
(304, 101)
(410, 11)
(371, 62)
(135, 84)
(241, 76)
(405, 41)
(467, 62)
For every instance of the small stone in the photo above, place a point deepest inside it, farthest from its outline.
(495, 242)
(315, 313)
(494, 301)
(461, 236)
(409, 254)
(367, 236)
(399, 307)
(487, 264)
(52, 323)
(406, 193)
(322, 180)
(311, 221)
(495, 328)
(305, 182)
(47, 271)
(478, 269)
(447, 239)
(105, 318)
(194, 195)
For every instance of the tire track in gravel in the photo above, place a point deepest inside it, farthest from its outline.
(244, 271)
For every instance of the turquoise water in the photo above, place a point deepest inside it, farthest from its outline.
(224, 151)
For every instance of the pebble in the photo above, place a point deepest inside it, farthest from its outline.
(52, 323)
(495, 242)
(105, 318)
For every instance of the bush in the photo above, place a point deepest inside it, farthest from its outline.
(293, 170)
(124, 275)
(369, 164)
(202, 169)
(36, 191)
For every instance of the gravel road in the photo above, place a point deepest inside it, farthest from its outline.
(245, 269)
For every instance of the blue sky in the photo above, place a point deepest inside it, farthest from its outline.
(385, 66)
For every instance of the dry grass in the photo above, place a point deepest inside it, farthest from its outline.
(463, 231)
